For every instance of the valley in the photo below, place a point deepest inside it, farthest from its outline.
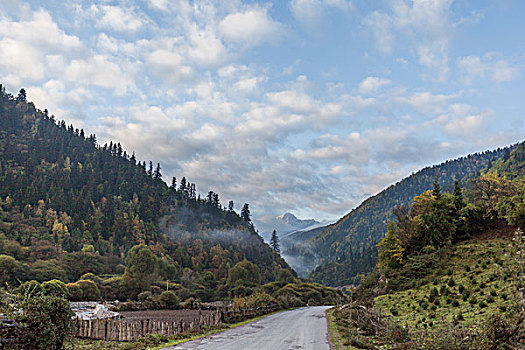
(262, 175)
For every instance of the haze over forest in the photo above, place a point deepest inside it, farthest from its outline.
(306, 106)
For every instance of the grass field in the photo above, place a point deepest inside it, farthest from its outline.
(475, 285)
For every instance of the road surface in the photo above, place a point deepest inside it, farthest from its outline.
(305, 328)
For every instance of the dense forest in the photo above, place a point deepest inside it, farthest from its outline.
(347, 248)
(70, 207)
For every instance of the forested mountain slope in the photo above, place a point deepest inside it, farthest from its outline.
(348, 247)
(70, 206)
(450, 269)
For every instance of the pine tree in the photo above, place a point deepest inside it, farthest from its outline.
(157, 175)
(274, 242)
(22, 96)
(245, 213)
(436, 191)
(216, 201)
(182, 186)
(458, 197)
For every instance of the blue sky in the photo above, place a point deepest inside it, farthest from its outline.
(306, 106)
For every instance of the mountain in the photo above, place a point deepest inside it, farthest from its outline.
(69, 206)
(282, 224)
(293, 221)
(347, 248)
(450, 269)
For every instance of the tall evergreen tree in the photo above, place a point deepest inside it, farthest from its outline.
(436, 191)
(245, 213)
(274, 242)
(458, 197)
(157, 175)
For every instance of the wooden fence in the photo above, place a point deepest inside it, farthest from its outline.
(123, 330)
(232, 316)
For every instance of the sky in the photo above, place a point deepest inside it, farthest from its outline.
(301, 106)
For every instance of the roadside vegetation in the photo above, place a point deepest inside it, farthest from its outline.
(450, 273)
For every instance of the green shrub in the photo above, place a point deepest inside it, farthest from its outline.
(55, 288)
(168, 300)
(455, 303)
(46, 320)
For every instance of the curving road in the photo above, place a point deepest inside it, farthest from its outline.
(303, 328)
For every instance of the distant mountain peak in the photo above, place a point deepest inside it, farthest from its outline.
(292, 220)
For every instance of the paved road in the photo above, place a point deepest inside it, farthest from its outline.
(303, 328)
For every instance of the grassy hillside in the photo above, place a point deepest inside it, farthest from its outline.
(348, 247)
(69, 206)
(450, 270)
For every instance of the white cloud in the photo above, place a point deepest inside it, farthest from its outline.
(206, 49)
(490, 65)
(20, 60)
(169, 66)
(26, 45)
(117, 18)
(159, 4)
(372, 84)
(310, 12)
(426, 102)
(381, 26)
(292, 100)
(41, 32)
(59, 99)
(466, 126)
(503, 71)
(99, 70)
(425, 24)
(250, 27)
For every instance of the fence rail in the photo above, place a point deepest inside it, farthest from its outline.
(123, 330)
(232, 316)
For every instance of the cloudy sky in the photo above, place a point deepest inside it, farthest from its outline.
(307, 106)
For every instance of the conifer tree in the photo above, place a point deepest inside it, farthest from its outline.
(245, 213)
(436, 192)
(458, 197)
(274, 242)
(157, 175)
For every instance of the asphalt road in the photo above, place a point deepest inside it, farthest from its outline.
(303, 328)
